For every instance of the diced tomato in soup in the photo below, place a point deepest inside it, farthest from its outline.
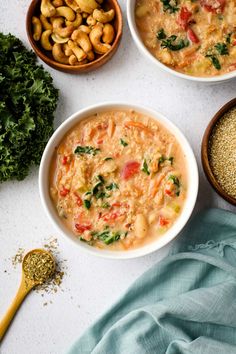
(213, 5)
(130, 169)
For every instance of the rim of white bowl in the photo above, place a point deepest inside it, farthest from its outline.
(139, 43)
(192, 169)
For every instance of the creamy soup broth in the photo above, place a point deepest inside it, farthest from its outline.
(118, 180)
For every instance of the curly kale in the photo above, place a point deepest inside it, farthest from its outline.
(28, 100)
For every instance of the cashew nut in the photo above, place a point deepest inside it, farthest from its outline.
(58, 39)
(85, 15)
(73, 5)
(95, 38)
(103, 17)
(78, 52)
(85, 29)
(73, 61)
(57, 3)
(82, 39)
(91, 21)
(46, 25)
(66, 49)
(47, 9)
(87, 5)
(66, 12)
(77, 22)
(59, 55)
(37, 28)
(45, 42)
(61, 31)
(90, 56)
(108, 33)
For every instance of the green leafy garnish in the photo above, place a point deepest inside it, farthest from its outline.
(97, 188)
(106, 205)
(81, 150)
(87, 204)
(101, 195)
(170, 6)
(161, 34)
(108, 158)
(162, 159)
(28, 100)
(100, 179)
(228, 38)
(112, 186)
(214, 60)
(222, 48)
(124, 143)
(171, 159)
(145, 167)
(176, 182)
(172, 44)
(108, 236)
(98, 191)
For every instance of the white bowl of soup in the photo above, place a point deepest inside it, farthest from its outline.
(194, 40)
(119, 180)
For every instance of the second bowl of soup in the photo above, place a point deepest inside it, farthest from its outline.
(191, 39)
(119, 180)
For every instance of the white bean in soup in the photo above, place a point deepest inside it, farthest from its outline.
(195, 37)
(118, 180)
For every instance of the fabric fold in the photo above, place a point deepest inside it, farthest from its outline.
(184, 304)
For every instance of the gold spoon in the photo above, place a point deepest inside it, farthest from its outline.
(26, 285)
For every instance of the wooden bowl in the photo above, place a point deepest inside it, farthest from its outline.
(46, 56)
(205, 150)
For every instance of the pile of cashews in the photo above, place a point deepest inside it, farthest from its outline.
(74, 30)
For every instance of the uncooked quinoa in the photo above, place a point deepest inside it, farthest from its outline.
(222, 152)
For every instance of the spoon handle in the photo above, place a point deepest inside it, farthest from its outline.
(7, 318)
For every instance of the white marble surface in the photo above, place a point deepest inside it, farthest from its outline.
(92, 284)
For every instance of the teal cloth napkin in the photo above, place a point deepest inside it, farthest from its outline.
(184, 304)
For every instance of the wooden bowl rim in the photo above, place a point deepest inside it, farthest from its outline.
(79, 68)
(204, 152)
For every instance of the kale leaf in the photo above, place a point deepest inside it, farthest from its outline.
(170, 6)
(112, 186)
(222, 48)
(214, 60)
(124, 143)
(161, 34)
(81, 150)
(28, 100)
(171, 43)
(145, 167)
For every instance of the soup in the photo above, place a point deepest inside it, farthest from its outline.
(197, 38)
(118, 180)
